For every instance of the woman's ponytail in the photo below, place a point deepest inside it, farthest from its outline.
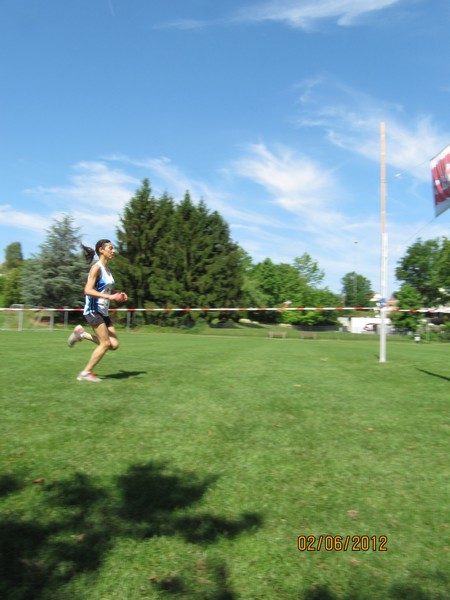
(88, 253)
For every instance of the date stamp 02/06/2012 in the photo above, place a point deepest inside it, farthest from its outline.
(337, 543)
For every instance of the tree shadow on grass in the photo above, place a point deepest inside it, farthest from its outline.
(406, 590)
(84, 520)
(212, 585)
(434, 374)
(9, 484)
(153, 504)
(124, 374)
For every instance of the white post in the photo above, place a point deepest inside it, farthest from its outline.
(384, 253)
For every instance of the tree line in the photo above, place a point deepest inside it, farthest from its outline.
(175, 254)
(424, 273)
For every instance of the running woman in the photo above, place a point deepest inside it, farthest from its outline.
(98, 294)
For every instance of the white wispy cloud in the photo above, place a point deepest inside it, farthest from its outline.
(316, 218)
(169, 177)
(296, 196)
(93, 185)
(352, 121)
(295, 182)
(311, 196)
(94, 196)
(14, 218)
(183, 24)
(305, 14)
(299, 14)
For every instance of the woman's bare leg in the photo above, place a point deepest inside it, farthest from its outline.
(114, 342)
(102, 339)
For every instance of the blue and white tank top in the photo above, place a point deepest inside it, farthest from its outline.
(104, 285)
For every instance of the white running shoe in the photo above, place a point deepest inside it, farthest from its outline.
(88, 377)
(75, 336)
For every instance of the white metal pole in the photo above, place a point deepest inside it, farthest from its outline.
(384, 252)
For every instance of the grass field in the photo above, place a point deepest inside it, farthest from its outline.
(193, 468)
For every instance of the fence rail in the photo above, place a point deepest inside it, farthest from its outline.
(443, 309)
(50, 313)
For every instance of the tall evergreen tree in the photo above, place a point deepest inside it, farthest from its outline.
(56, 276)
(163, 283)
(144, 227)
(209, 265)
(176, 255)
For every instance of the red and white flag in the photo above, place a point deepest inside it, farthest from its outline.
(440, 169)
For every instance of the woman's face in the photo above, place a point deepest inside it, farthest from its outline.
(108, 251)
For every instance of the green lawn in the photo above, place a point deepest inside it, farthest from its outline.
(193, 468)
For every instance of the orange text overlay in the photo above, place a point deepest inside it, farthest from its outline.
(355, 543)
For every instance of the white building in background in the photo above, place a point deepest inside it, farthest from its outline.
(364, 324)
(369, 324)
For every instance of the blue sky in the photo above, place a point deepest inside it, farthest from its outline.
(268, 110)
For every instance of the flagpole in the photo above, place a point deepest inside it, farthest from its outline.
(383, 291)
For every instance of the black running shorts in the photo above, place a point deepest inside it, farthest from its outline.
(95, 319)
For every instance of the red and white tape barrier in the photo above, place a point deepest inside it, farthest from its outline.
(251, 309)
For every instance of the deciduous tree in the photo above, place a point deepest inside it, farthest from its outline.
(11, 275)
(408, 298)
(356, 290)
(309, 270)
(418, 269)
